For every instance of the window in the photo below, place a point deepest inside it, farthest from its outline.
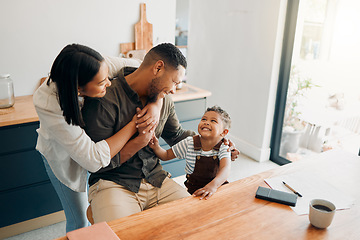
(318, 101)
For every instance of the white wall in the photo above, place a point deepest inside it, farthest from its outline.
(234, 51)
(32, 32)
(182, 14)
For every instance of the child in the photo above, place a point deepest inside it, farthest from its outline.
(207, 158)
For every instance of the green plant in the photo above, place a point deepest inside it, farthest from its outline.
(298, 86)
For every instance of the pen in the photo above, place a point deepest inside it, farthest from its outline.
(292, 189)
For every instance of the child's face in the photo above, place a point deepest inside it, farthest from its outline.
(211, 125)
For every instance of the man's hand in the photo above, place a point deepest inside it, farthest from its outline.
(234, 152)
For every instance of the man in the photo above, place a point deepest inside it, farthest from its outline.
(138, 182)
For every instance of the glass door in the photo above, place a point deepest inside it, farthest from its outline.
(318, 102)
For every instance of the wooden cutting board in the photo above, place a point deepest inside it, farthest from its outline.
(126, 47)
(143, 31)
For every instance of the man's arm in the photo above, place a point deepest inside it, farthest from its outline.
(173, 131)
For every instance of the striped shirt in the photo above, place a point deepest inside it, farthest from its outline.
(185, 150)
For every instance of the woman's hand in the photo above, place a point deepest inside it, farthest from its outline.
(146, 131)
(234, 152)
(147, 126)
(150, 113)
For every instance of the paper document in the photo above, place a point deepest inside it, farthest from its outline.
(310, 186)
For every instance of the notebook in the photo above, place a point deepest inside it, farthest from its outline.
(276, 196)
(98, 231)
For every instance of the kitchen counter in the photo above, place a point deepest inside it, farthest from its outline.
(188, 92)
(23, 110)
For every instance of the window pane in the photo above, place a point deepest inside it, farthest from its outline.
(323, 100)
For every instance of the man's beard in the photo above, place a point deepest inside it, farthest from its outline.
(153, 90)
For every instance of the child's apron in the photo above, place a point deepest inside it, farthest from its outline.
(205, 169)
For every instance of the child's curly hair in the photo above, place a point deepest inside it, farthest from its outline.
(224, 115)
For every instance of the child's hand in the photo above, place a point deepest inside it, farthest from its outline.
(154, 142)
(205, 192)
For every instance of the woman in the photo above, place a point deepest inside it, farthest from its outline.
(68, 152)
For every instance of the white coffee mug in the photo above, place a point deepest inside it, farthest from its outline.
(321, 213)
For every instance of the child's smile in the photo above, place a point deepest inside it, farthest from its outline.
(206, 129)
(211, 125)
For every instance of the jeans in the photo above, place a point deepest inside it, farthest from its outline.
(73, 203)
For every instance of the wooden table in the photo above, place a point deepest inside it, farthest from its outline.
(234, 212)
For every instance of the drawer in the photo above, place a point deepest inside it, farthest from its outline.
(27, 203)
(176, 167)
(188, 110)
(18, 137)
(21, 169)
(187, 125)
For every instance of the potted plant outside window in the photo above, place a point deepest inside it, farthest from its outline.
(293, 126)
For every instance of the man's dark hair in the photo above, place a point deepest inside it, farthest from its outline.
(168, 53)
(223, 114)
(75, 66)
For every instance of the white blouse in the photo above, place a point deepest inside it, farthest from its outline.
(68, 149)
